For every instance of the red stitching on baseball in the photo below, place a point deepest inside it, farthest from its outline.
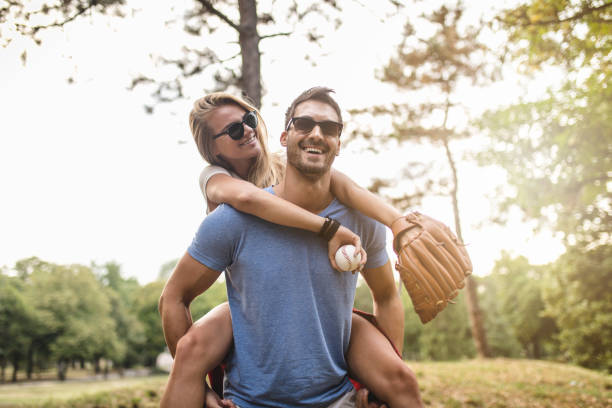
(346, 256)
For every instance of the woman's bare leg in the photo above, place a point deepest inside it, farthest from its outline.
(374, 363)
(201, 349)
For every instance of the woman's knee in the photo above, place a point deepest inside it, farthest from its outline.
(189, 347)
(208, 340)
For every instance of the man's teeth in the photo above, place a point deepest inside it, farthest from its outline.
(313, 150)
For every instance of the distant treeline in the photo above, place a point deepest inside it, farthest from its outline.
(560, 311)
(52, 316)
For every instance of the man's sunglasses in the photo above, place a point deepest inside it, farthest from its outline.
(235, 130)
(305, 124)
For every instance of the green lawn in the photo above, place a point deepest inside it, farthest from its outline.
(127, 392)
(503, 383)
(498, 383)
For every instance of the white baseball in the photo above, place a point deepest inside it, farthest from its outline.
(347, 259)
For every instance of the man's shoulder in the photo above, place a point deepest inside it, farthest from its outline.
(227, 216)
(224, 213)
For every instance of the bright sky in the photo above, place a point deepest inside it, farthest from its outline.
(86, 175)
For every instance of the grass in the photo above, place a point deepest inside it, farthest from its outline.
(504, 383)
(498, 383)
(124, 393)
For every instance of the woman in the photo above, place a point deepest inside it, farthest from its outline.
(240, 165)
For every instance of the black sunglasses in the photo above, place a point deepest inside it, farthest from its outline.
(235, 130)
(305, 124)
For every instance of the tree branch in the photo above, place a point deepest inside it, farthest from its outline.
(211, 9)
(91, 5)
(275, 35)
(577, 16)
(230, 58)
(397, 5)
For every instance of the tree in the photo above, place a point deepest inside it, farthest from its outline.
(72, 314)
(15, 319)
(246, 21)
(41, 327)
(146, 308)
(121, 293)
(573, 33)
(215, 295)
(579, 297)
(438, 66)
(558, 151)
(448, 336)
(513, 298)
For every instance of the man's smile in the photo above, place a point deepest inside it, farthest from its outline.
(313, 149)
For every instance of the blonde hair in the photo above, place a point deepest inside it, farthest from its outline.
(267, 169)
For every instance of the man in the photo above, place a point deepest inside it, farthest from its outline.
(291, 312)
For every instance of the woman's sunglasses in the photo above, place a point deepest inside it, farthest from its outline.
(305, 124)
(235, 130)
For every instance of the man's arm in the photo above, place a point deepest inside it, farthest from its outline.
(189, 279)
(388, 307)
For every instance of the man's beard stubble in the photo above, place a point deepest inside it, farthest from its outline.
(308, 170)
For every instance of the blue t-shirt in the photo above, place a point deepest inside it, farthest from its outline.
(291, 311)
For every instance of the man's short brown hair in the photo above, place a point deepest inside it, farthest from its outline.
(318, 93)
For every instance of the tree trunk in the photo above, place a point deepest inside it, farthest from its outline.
(2, 369)
(537, 353)
(249, 50)
(62, 367)
(15, 368)
(476, 320)
(30, 362)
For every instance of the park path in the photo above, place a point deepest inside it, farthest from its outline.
(131, 373)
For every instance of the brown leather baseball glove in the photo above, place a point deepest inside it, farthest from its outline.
(432, 263)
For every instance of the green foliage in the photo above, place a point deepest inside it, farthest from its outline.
(448, 336)
(214, 296)
(558, 151)
(413, 329)
(66, 313)
(121, 293)
(512, 297)
(72, 309)
(574, 33)
(431, 68)
(500, 334)
(146, 309)
(15, 321)
(579, 298)
(558, 154)
(363, 298)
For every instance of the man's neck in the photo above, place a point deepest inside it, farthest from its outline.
(312, 194)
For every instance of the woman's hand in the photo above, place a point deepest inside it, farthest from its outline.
(345, 236)
(212, 400)
(362, 400)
